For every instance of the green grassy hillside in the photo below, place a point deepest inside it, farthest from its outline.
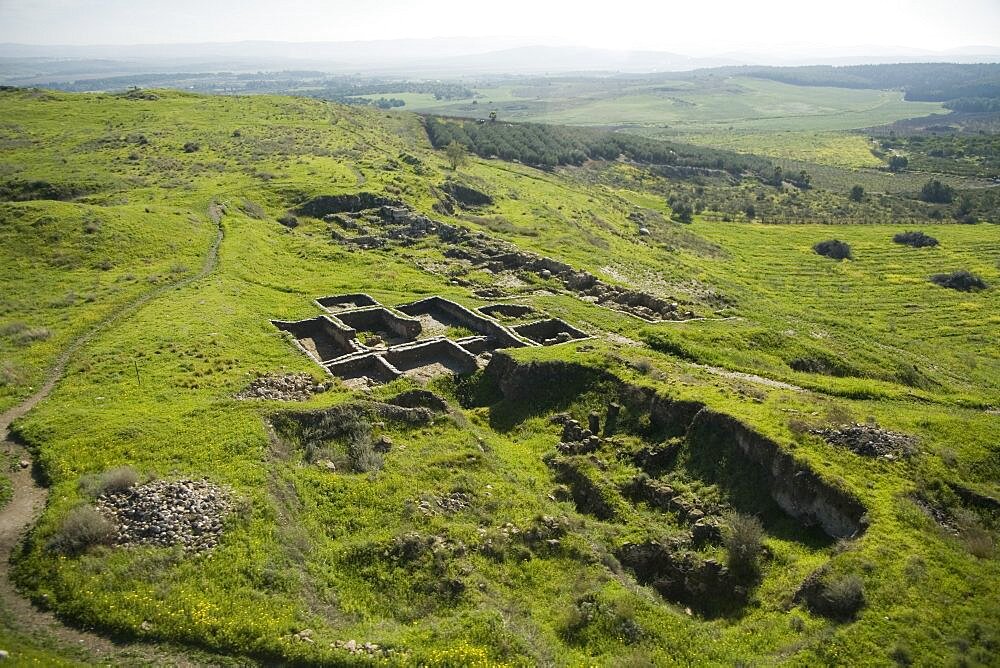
(475, 542)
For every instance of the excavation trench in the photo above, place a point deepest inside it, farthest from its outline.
(798, 490)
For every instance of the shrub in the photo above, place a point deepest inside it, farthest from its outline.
(289, 220)
(253, 210)
(82, 528)
(857, 193)
(109, 482)
(22, 335)
(742, 536)
(978, 542)
(682, 211)
(594, 618)
(962, 280)
(834, 596)
(833, 248)
(12, 375)
(362, 454)
(191, 147)
(915, 239)
(643, 365)
(936, 192)
(844, 595)
(902, 654)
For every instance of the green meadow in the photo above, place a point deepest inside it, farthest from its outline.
(784, 340)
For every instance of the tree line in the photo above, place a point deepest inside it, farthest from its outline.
(544, 145)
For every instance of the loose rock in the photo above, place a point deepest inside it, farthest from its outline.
(188, 513)
(869, 440)
(287, 387)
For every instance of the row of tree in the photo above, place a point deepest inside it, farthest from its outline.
(550, 145)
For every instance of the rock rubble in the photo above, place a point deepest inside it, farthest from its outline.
(868, 440)
(188, 513)
(283, 387)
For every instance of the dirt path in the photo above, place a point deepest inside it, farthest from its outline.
(750, 377)
(29, 499)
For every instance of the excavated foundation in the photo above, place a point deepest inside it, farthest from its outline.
(549, 332)
(442, 314)
(336, 303)
(392, 329)
(508, 311)
(322, 338)
(410, 340)
(425, 360)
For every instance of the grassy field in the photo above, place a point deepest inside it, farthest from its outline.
(349, 555)
(839, 149)
(770, 118)
(704, 104)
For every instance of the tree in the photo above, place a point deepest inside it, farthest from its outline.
(777, 178)
(898, 163)
(682, 211)
(455, 153)
(936, 192)
(857, 193)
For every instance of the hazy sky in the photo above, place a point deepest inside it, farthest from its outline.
(690, 26)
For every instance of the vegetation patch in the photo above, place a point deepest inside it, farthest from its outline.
(916, 239)
(83, 527)
(23, 191)
(833, 248)
(962, 280)
(836, 595)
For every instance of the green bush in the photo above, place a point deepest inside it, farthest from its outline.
(833, 248)
(915, 239)
(12, 374)
(22, 335)
(109, 482)
(82, 528)
(962, 280)
(844, 595)
(742, 536)
(936, 192)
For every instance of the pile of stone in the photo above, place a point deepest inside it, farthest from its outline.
(283, 387)
(576, 440)
(869, 440)
(188, 513)
(355, 647)
(449, 503)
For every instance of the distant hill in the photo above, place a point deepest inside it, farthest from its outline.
(28, 64)
(927, 82)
